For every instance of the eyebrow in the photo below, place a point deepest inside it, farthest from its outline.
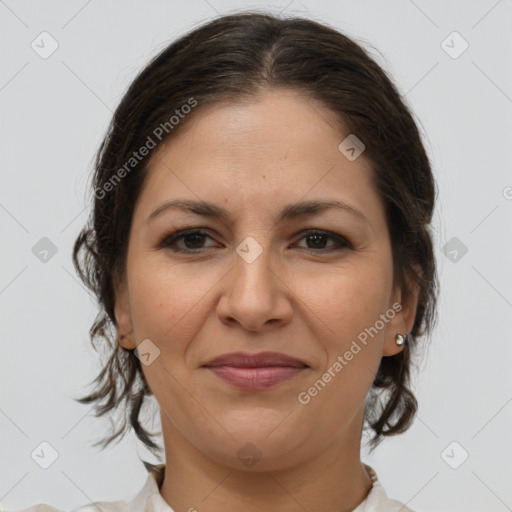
(290, 211)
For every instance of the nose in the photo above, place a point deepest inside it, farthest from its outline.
(256, 295)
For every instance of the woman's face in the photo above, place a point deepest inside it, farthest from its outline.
(315, 285)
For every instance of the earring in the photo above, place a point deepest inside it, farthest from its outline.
(400, 339)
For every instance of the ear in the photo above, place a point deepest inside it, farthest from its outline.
(123, 316)
(403, 321)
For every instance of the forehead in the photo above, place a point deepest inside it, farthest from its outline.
(275, 148)
(266, 125)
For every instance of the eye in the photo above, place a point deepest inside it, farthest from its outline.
(318, 240)
(193, 240)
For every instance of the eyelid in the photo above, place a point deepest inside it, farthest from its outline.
(342, 241)
(180, 234)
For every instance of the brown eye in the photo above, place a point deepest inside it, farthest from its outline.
(317, 240)
(192, 239)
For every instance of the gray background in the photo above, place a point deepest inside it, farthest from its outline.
(54, 113)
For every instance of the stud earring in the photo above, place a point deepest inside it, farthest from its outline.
(400, 339)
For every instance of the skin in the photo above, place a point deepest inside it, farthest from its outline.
(253, 158)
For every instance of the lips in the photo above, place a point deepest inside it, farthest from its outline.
(260, 360)
(255, 371)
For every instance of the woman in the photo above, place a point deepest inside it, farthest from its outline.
(260, 248)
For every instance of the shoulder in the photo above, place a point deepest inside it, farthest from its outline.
(148, 498)
(110, 506)
(377, 499)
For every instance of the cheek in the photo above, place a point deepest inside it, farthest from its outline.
(348, 308)
(165, 300)
(349, 301)
(357, 301)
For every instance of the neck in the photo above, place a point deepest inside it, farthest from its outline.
(334, 480)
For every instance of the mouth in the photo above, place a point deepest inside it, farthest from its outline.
(255, 371)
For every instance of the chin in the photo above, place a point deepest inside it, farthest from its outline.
(256, 451)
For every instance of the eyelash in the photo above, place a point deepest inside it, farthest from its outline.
(170, 241)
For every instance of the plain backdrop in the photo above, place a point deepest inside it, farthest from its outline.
(54, 113)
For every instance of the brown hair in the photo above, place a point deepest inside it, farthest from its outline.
(232, 58)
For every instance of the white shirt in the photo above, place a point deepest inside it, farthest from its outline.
(149, 499)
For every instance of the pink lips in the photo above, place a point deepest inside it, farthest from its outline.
(255, 371)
